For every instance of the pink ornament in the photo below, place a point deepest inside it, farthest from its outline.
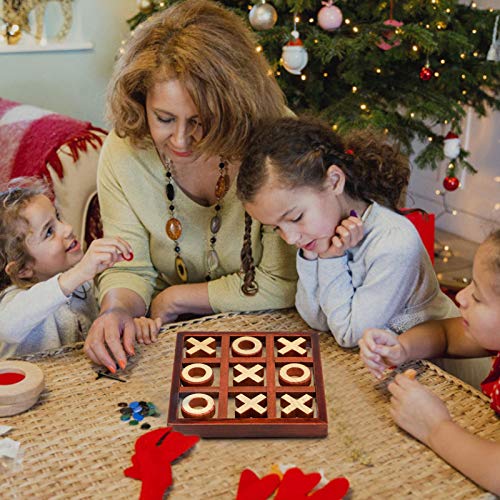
(329, 16)
(388, 40)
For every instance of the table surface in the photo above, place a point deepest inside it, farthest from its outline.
(76, 446)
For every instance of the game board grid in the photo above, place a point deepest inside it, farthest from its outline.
(223, 425)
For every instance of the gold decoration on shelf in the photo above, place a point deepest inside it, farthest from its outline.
(12, 34)
(16, 13)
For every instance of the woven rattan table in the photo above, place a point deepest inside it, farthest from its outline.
(76, 446)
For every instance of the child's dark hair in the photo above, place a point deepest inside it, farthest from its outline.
(13, 229)
(299, 152)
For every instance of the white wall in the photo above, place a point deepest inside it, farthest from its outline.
(477, 201)
(72, 83)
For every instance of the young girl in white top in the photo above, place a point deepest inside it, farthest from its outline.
(355, 271)
(46, 295)
(476, 333)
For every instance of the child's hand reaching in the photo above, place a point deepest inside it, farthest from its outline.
(101, 254)
(347, 235)
(146, 329)
(416, 409)
(380, 349)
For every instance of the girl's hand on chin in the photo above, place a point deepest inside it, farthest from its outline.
(347, 235)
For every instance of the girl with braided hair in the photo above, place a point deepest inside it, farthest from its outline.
(360, 263)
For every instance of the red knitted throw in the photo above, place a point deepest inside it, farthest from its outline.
(31, 136)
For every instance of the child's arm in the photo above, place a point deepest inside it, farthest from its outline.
(421, 413)
(146, 329)
(23, 310)
(375, 287)
(380, 349)
(101, 255)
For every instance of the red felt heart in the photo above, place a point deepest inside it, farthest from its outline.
(151, 461)
(334, 490)
(296, 485)
(251, 487)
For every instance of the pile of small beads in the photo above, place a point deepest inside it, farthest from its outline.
(136, 411)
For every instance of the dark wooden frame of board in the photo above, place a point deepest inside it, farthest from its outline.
(272, 425)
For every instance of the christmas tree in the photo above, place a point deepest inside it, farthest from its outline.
(410, 68)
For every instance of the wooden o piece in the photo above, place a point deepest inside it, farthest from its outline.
(197, 374)
(198, 405)
(20, 396)
(295, 374)
(246, 346)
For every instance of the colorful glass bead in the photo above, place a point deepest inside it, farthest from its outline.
(173, 228)
(181, 269)
(215, 224)
(212, 261)
(220, 187)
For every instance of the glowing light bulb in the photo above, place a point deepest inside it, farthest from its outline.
(354, 89)
(303, 77)
(415, 48)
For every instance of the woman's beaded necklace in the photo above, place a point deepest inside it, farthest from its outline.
(173, 226)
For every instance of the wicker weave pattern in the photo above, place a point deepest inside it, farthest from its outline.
(77, 447)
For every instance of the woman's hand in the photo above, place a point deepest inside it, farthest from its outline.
(110, 337)
(146, 329)
(380, 349)
(347, 235)
(416, 409)
(164, 306)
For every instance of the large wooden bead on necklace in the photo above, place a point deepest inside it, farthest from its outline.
(173, 226)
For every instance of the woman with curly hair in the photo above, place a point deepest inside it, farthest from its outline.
(186, 95)
(360, 263)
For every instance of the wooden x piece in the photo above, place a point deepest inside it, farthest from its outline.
(296, 407)
(250, 407)
(200, 348)
(251, 375)
(292, 347)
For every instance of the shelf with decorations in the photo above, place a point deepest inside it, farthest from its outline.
(36, 26)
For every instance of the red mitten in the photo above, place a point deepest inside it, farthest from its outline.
(334, 490)
(253, 488)
(151, 462)
(296, 485)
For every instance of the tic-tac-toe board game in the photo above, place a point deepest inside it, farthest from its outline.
(251, 384)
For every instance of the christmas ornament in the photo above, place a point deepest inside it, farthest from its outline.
(451, 145)
(13, 34)
(494, 50)
(426, 73)
(329, 16)
(389, 39)
(450, 183)
(145, 6)
(294, 56)
(263, 16)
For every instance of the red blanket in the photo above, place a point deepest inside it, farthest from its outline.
(31, 136)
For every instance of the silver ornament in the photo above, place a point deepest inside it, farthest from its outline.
(263, 16)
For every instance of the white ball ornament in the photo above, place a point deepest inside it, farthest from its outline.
(294, 56)
(263, 16)
(329, 16)
(451, 145)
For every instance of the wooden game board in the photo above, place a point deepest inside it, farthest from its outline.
(270, 393)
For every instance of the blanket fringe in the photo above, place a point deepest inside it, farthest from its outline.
(77, 144)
